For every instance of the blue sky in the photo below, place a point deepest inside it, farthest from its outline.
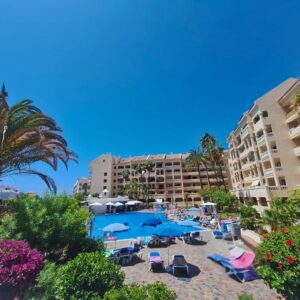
(139, 77)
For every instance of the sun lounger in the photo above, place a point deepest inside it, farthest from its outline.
(245, 274)
(240, 267)
(243, 262)
(155, 261)
(234, 253)
(123, 255)
(179, 262)
(223, 233)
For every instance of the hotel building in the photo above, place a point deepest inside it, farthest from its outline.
(264, 149)
(170, 180)
(82, 185)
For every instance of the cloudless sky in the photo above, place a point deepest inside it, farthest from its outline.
(143, 77)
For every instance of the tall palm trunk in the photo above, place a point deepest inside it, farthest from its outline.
(207, 174)
(222, 177)
(199, 173)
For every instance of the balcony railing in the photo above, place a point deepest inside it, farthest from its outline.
(294, 132)
(297, 151)
(245, 132)
(292, 115)
(261, 140)
(264, 156)
(268, 172)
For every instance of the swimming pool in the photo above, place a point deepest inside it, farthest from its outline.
(134, 221)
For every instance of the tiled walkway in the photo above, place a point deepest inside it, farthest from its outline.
(207, 281)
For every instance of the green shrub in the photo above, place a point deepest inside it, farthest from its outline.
(43, 290)
(225, 200)
(86, 245)
(245, 297)
(279, 261)
(283, 212)
(155, 291)
(88, 276)
(249, 217)
(50, 224)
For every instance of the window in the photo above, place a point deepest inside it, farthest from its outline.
(105, 174)
(256, 119)
(282, 181)
(104, 187)
(265, 114)
(105, 180)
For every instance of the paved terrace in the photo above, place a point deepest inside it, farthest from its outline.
(207, 280)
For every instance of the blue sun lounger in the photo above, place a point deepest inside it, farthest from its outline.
(244, 275)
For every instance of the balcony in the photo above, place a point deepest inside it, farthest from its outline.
(259, 191)
(264, 156)
(295, 132)
(268, 172)
(261, 140)
(245, 132)
(297, 151)
(292, 116)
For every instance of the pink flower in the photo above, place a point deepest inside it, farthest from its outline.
(283, 230)
(280, 266)
(275, 228)
(289, 243)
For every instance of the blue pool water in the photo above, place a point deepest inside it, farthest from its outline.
(134, 221)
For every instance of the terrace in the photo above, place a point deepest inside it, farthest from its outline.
(207, 280)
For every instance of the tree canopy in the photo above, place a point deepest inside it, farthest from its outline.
(52, 224)
(28, 136)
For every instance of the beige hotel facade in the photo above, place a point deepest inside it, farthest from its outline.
(264, 148)
(170, 180)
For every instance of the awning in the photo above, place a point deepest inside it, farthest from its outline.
(255, 182)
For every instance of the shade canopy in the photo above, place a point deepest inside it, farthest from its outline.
(168, 232)
(118, 204)
(194, 209)
(96, 204)
(137, 202)
(109, 203)
(116, 227)
(131, 203)
(209, 204)
(187, 223)
(152, 222)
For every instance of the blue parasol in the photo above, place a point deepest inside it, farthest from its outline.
(152, 222)
(115, 227)
(187, 223)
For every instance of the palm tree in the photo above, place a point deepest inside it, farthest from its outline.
(194, 160)
(205, 162)
(148, 168)
(208, 142)
(28, 136)
(134, 189)
(140, 169)
(126, 175)
(85, 188)
(217, 155)
(214, 154)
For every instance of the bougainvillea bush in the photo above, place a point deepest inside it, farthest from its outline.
(279, 260)
(19, 265)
